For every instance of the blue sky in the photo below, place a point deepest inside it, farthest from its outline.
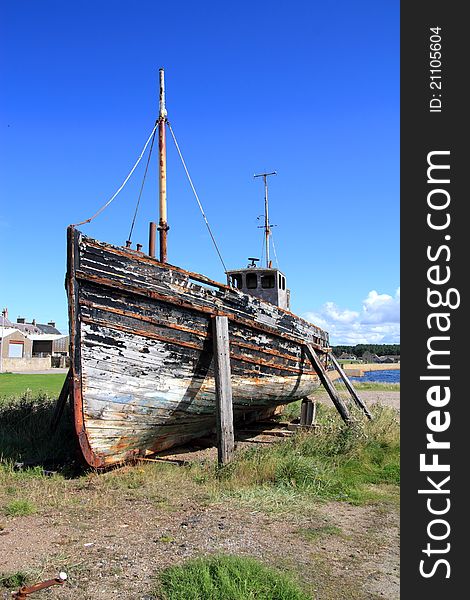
(309, 89)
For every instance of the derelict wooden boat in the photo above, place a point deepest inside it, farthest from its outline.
(142, 360)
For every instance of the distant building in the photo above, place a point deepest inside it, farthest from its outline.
(369, 357)
(15, 344)
(22, 325)
(48, 328)
(389, 359)
(31, 346)
(346, 356)
(49, 344)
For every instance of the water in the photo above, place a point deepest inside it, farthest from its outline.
(380, 376)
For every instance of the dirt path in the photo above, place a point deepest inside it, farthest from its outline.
(341, 551)
(369, 397)
(113, 544)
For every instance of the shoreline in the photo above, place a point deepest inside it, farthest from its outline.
(353, 370)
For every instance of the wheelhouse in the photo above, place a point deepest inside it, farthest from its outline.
(268, 284)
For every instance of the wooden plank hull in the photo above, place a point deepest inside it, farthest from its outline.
(142, 355)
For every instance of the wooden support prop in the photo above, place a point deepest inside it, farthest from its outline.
(311, 412)
(350, 387)
(340, 406)
(308, 411)
(61, 401)
(304, 410)
(223, 386)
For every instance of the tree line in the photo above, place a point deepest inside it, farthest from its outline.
(359, 349)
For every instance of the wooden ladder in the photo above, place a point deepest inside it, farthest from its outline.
(330, 388)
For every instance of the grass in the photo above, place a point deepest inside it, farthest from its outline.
(16, 384)
(25, 431)
(19, 508)
(358, 464)
(366, 385)
(13, 580)
(372, 385)
(227, 578)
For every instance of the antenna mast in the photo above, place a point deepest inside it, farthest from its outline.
(162, 120)
(267, 226)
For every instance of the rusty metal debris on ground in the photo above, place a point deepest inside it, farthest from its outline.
(25, 590)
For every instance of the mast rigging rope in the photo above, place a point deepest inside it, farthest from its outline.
(262, 251)
(196, 196)
(142, 186)
(124, 182)
(152, 137)
(274, 248)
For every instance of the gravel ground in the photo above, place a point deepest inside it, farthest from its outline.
(119, 557)
(338, 550)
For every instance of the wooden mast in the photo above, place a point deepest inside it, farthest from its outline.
(162, 120)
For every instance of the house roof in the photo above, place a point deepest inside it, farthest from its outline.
(26, 328)
(45, 337)
(29, 328)
(7, 331)
(48, 328)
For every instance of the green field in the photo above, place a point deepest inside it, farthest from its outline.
(12, 384)
(370, 385)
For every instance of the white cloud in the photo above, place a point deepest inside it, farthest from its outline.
(378, 322)
(342, 316)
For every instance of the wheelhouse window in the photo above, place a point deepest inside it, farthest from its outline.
(251, 281)
(267, 281)
(236, 281)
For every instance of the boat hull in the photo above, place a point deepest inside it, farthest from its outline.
(142, 353)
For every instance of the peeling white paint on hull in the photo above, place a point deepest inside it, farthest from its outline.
(142, 357)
